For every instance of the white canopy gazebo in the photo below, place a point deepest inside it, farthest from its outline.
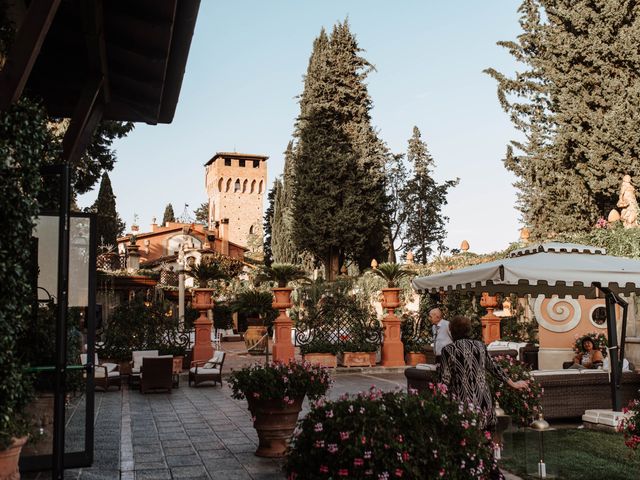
(562, 269)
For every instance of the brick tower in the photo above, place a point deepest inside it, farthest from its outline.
(236, 184)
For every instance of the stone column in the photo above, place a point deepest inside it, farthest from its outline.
(283, 349)
(392, 347)
(203, 350)
(133, 258)
(490, 323)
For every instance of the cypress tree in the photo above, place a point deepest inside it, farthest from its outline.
(423, 200)
(339, 202)
(283, 248)
(268, 226)
(576, 103)
(109, 225)
(168, 216)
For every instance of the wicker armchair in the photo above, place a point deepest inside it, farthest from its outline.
(156, 373)
(209, 371)
(104, 374)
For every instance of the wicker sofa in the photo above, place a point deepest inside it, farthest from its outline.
(567, 393)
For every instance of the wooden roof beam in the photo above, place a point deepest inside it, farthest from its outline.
(25, 50)
(87, 115)
(93, 25)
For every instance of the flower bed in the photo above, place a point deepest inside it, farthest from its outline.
(630, 425)
(389, 435)
(522, 405)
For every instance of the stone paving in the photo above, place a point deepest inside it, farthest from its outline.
(193, 433)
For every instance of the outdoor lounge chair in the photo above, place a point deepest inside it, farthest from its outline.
(156, 373)
(136, 363)
(209, 371)
(104, 374)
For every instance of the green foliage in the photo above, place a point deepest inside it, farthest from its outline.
(339, 160)
(576, 105)
(396, 175)
(23, 140)
(423, 198)
(390, 435)
(168, 215)
(141, 325)
(415, 331)
(523, 405)
(392, 273)
(222, 316)
(109, 225)
(202, 213)
(255, 303)
(280, 381)
(282, 274)
(268, 224)
(617, 240)
(206, 272)
(319, 345)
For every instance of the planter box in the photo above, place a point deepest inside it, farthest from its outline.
(358, 359)
(414, 358)
(323, 359)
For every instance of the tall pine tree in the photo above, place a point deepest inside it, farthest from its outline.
(339, 201)
(109, 225)
(168, 216)
(577, 104)
(423, 200)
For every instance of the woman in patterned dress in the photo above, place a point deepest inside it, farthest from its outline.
(463, 367)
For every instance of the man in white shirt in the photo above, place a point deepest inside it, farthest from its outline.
(440, 328)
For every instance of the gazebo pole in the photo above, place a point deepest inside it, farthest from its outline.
(611, 300)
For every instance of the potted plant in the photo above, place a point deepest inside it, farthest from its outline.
(357, 352)
(282, 274)
(630, 424)
(392, 348)
(204, 273)
(257, 306)
(320, 351)
(275, 392)
(416, 338)
(385, 435)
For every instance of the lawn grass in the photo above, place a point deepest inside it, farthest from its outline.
(576, 454)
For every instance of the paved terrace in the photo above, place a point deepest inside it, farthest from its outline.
(194, 433)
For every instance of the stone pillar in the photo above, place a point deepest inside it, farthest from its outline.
(392, 347)
(133, 258)
(490, 323)
(283, 349)
(203, 349)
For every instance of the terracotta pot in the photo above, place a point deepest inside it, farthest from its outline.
(253, 339)
(202, 298)
(274, 420)
(9, 460)
(358, 359)
(414, 358)
(323, 359)
(282, 298)
(390, 297)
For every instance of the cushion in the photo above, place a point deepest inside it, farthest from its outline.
(425, 366)
(218, 357)
(138, 355)
(205, 371)
(110, 366)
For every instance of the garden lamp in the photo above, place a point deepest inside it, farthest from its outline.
(541, 425)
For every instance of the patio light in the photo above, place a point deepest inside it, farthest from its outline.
(541, 425)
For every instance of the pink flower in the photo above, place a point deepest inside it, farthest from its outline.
(343, 472)
(358, 462)
(332, 448)
(317, 427)
(344, 436)
(324, 469)
(442, 472)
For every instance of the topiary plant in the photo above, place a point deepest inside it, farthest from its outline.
(392, 273)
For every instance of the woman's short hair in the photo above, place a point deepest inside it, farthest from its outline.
(460, 327)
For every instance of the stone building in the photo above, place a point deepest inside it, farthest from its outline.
(236, 184)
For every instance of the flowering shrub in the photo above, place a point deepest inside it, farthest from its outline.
(379, 435)
(522, 405)
(599, 343)
(630, 425)
(280, 381)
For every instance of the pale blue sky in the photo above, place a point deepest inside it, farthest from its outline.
(245, 69)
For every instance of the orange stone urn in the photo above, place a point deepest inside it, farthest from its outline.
(490, 323)
(202, 301)
(392, 347)
(283, 349)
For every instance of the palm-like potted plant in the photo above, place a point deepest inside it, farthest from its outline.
(257, 305)
(282, 274)
(392, 348)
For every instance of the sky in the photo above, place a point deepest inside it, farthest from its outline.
(245, 70)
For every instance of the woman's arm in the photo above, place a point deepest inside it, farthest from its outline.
(444, 369)
(492, 368)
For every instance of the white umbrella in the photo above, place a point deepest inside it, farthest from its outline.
(563, 269)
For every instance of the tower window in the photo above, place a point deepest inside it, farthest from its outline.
(227, 162)
(260, 187)
(236, 186)
(253, 186)
(251, 230)
(256, 164)
(241, 162)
